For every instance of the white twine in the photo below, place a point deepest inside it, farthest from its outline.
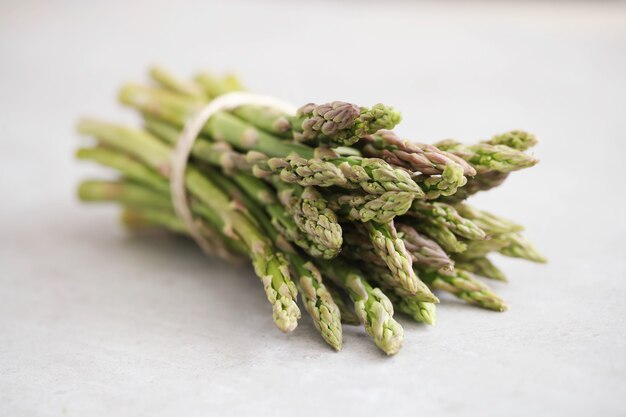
(185, 142)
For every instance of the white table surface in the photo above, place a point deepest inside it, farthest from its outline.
(97, 322)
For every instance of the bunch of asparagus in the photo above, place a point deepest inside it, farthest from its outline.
(328, 203)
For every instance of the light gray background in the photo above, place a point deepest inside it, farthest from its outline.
(97, 322)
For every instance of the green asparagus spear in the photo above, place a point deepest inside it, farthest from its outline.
(172, 83)
(338, 123)
(425, 252)
(406, 303)
(369, 207)
(216, 153)
(140, 218)
(442, 235)
(520, 247)
(420, 311)
(446, 184)
(270, 120)
(214, 86)
(373, 176)
(392, 250)
(318, 301)
(135, 143)
(157, 208)
(371, 305)
(347, 315)
(446, 216)
(487, 157)
(483, 181)
(463, 286)
(313, 216)
(510, 244)
(482, 267)
(479, 248)
(416, 157)
(489, 222)
(295, 169)
(126, 165)
(516, 139)
(126, 193)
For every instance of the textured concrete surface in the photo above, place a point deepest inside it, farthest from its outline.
(97, 322)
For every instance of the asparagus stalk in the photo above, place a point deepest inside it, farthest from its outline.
(336, 123)
(347, 315)
(479, 248)
(443, 236)
(481, 266)
(132, 194)
(520, 247)
(424, 252)
(416, 157)
(125, 193)
(137, 144)
(371, 305)
(468, 289)
(446, 216)
(486, 157)
(489, 222)
(318, 301)
(359, 248)
(515, 139)
(140, 218)
(270, 120)
(313, 216)
(492, 159)
(220, 154)
(126, 165)
(295, 169)
(392, 250)
(157, 209)
(419, 310)
(369, 207)
(214, 86)
(341, 123)
(186, 88)
(373, 176)
(483, 181)
(509, 244)
(124, 143)
(445, 184)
